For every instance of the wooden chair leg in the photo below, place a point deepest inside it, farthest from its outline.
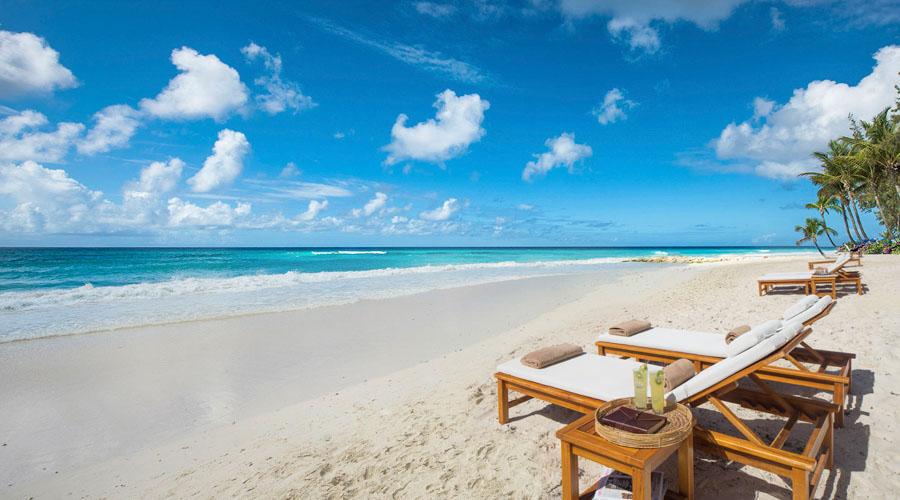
(838, 398)
(502, 402)
(800, 484)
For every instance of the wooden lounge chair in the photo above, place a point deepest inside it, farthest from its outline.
(812, 283)
(704, 349)
(855, 260)
(586, 382)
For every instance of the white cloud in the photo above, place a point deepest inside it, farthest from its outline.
(416, 56)
(160, 177)
(787, 134)
(563, 152)
(372, 206)
(442, 212)
(776, 18)
(282, 95)
(19, 142)
(456, 125)
(113, 128)
(525, 207)
(224, 165)
(762, 107)
(433, 9)
(633, 20)
(28, 65)
(43, 199)
(290, 170)
(296, 190)
(205, 87)
(613, 107)
(218, 214)
(313, 209)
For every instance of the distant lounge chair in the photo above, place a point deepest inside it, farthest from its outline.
(707, 348)
(811, 282)
(855, 259)
(584, 383)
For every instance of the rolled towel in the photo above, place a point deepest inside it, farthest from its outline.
(735, 333)
(678, 373)
(629, 328)
(547, 356)
(820, 271)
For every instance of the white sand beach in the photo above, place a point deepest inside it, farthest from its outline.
(395, 398)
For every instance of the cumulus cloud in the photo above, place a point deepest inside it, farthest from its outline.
(224, 165)
(781, 137)
(205, 88)
(281, 95)
(43, 199)
(563, 152)
(290, 170)
(372, 206)
(632, 21)
(313, 209)
(218, 214)
(159, 177)
(443, 212)
(456, 125)
(613, 107)
(28, 65)
(19, 141)
(113, 128)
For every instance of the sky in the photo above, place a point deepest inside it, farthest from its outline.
(428, 123)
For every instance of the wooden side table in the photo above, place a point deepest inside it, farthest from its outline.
(579, 439)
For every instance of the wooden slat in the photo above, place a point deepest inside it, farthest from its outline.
(736, 422)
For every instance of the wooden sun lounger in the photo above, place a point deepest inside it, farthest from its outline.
(855, 260)
(803, 469)
(816, 377)
(820, 284)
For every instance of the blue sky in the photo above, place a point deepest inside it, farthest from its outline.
(575, 122)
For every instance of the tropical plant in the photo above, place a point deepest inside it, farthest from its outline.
(823, 205)
(811, 232)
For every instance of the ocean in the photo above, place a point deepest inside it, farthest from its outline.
(58, 291)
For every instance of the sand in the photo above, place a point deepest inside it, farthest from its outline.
(418, 421)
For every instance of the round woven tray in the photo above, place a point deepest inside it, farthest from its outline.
(678, 425)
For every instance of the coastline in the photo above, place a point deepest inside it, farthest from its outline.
(436, 415)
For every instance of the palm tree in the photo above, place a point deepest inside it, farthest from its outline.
(811, 232)
(823, 205)
(836, 180)
(877, 147)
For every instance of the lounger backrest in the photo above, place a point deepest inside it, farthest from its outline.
(820, 305)
(798, 307)
(731, 365)
(838, 264)
(756, 335)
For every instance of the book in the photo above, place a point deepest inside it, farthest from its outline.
(617, 485)
(631, 420)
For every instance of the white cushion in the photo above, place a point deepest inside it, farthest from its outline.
(600, 377)
(729, 366)
(756, 335)
(799, 306)
(817, 308)
(787, 276)
(673, 339)
(838, 264)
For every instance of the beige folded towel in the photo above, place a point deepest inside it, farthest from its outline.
(820, 271)
(629, 328)
(735, 333)
(678, 373)
(547, 356)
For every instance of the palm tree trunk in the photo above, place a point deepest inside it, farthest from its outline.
(816, 243)
(887, 225)
(846, 225)
(858, 221)
(848, 209)
(825, 225)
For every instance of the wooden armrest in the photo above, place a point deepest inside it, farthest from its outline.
(814, 263)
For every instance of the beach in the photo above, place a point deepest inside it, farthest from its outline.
(395, 397)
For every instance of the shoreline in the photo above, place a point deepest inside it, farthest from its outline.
(612, 263)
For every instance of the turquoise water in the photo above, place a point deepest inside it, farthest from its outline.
(52, 291)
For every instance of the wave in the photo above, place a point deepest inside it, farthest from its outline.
(34, 299)
(660, 252)
(350, 252)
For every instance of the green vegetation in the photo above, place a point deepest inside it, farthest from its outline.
(860, 172)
